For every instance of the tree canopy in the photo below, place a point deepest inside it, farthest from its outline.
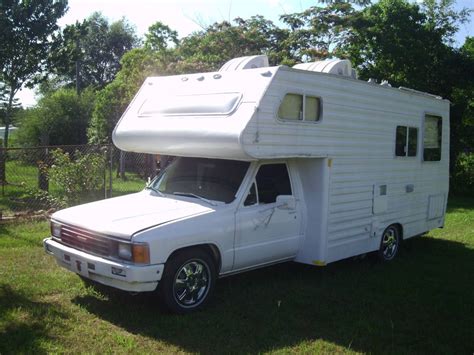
(89, 52)
(407, 43)
(60, 118)
(27, 30)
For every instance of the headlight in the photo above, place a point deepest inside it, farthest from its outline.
(125, 251)
(55, 229)
(135, 252)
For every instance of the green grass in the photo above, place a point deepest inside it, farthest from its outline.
(422, 302)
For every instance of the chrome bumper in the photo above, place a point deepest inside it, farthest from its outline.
(125, 277)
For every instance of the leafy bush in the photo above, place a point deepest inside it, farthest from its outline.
(462, 180)
(43, 199)
(61, 118)
(79, 177)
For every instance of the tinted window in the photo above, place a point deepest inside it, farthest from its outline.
(272, 181)
(214, 179)
(412, 141)
(292, 108)
(401, 141)
(251, 197)
(432, 138)
(312, 108)
(406, 141)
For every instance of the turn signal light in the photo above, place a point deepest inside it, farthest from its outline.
(141, 253)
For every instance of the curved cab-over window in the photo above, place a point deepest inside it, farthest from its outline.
(299, 107)
(196, 104)
(432, 138)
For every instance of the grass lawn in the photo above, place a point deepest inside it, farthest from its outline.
(422, 302)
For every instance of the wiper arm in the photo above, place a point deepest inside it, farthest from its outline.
(150, 187)
(195, 196)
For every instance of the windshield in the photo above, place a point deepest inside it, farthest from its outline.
(212, 179)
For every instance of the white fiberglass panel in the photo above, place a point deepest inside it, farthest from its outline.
(198, 115)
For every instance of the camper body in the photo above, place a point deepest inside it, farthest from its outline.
(274, 164)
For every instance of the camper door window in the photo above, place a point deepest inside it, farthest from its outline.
(297, 107)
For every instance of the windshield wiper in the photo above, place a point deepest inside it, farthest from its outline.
(195, 196)
(150, 187)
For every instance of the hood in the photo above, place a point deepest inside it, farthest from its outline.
(123, 216)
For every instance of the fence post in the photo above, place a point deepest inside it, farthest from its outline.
(2, 169)
(111, 167)
(43, 165)
(122, 165)
(104, 155)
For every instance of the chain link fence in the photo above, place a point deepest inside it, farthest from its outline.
(42, 179)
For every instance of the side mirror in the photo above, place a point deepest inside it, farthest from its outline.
(286, 202)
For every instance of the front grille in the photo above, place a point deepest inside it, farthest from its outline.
(84, 240)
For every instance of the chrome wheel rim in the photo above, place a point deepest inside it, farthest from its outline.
(389, 243)
(191, 283)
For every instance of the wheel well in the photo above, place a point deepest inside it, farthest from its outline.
(211, 249)
(400, 229)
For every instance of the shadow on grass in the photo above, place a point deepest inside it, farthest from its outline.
(460, 204)
(24, 323)
(423, 302)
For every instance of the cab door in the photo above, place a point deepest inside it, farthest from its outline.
(268, 222)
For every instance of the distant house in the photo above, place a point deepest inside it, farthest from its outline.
(11, 130)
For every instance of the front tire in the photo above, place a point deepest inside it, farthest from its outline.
(188, 281)
(389, 244)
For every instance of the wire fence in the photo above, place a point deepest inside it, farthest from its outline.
(42, 179)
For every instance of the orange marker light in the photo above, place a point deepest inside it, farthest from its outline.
(141, 253)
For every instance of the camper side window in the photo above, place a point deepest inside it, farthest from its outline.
(406, 141)
(299, 107)
(272, 180)
(432, 138)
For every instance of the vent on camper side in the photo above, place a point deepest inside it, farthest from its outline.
(332, 66)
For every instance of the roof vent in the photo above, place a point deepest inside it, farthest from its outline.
(332, 66)
(241, 63)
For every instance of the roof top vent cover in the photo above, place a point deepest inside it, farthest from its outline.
(332, 66)
(241, 63)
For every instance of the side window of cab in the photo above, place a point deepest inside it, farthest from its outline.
(272, 180)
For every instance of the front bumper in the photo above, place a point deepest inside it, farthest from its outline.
(125, 277)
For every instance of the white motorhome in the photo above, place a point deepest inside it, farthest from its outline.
(274, 164)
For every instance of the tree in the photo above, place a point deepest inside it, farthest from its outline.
(26, 32)
(410, 46)
(269, 38)
(90, 51)
(160, 37)
(317, 32)
(112, 101)
(207, 50)
(60, 118)
(26, 28)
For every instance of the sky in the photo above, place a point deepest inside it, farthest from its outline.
(187, 16)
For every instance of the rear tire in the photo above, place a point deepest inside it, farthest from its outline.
(188, 281)
(389, 244)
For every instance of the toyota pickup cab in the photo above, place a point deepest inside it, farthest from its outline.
(201, 218)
